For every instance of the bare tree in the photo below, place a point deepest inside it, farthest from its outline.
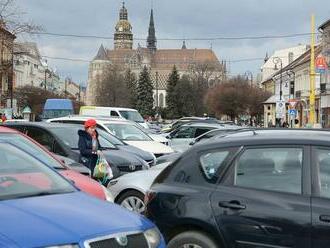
(11, 17)
(111, 89)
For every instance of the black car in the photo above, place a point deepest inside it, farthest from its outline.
(121, 145)
(62, 139)
(256, 188)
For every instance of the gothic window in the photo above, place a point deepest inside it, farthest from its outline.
(161, 100)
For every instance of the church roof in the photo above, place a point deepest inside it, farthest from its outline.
(182, 58)
(101, 54)
(165, 59)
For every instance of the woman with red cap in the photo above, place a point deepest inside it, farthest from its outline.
(89, 144)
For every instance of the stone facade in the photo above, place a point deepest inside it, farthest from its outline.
(159, 61)
(6, 63)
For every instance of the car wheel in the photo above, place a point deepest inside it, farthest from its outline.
(192, 239)
(132, 200)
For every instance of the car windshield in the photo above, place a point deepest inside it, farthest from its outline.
(131, 115)
(29, 146)
(70, 137)
(50, 114)
(127, 132)
(23, 175)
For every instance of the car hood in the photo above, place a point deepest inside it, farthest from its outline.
(147, 156)
(84, 183)
(121, 157)
(57, 219)
(151, 146)
(158, 138)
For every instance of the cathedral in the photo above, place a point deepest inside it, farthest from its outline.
(159, 61)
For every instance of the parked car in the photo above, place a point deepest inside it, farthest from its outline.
(27, 144)
(181, 137)
(129, 190)
(112, 112)
(54, 108)
(62, 139)
(124, 130)
(39, 208)
(186, 120)
(259, 188)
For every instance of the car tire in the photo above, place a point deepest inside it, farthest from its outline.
(132, 200)
(194, 238)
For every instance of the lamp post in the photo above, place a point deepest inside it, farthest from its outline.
(292, 78)
(46, 70)
(276, 61)
(249, 76)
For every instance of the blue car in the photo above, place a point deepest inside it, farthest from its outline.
(39, 208)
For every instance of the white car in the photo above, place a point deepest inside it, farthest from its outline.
(181, 137)
(124, 130)
(129, 190)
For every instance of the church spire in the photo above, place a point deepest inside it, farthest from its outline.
(123, 14)
(184, 45)
(123, 37)
(151, 40)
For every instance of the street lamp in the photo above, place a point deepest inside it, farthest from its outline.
(248, 75)
(276, 61)
(46, 69)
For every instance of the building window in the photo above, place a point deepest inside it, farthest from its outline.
(161, 100)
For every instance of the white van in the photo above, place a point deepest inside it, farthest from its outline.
(125, 113)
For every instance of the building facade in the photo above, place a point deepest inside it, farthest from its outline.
(6, 64)
(160, 62)
(31, 70)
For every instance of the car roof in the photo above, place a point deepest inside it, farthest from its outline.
(100, 120)
(41, 124)
(7, 130)
(203, 124)
(111, 108)
(271, 136)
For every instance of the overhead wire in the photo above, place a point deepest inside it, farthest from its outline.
(179, 39)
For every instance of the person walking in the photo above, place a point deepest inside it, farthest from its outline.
(89, 145)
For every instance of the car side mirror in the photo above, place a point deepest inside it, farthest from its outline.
(192, 143)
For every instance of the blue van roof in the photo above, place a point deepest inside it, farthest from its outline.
(58, 104)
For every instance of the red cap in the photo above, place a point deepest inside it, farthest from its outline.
(90, 123)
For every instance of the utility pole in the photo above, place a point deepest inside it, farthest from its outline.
(79, 93)
(157, 103)
(312, 75)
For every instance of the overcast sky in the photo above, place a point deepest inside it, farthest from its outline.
(173, 19)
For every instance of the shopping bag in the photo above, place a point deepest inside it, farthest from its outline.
(102, 170)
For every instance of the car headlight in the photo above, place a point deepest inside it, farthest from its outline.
(63, 246)
(153, 237)
(108, 195)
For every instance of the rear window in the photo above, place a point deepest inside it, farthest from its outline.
(132, 116)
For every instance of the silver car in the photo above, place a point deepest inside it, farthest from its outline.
(129, 190)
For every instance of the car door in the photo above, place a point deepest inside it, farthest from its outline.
(264, 198)
(321, 197)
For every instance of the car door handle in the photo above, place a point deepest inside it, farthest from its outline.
(325, 218)
(232, 205)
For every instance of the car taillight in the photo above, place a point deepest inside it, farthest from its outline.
(149, 196)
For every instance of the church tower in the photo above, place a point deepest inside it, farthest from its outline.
(123, 38)
(151, 40)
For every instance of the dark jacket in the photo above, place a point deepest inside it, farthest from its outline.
(88, 158)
